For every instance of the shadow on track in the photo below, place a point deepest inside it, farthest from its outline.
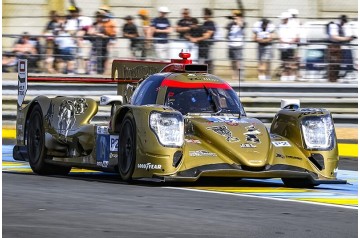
(202, 182)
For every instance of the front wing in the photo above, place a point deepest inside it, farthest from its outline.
(235, 171)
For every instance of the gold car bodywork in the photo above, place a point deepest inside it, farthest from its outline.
(214, 145)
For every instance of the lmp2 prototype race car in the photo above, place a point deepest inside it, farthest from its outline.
(178, 123)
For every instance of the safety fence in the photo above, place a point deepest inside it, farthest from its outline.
(260, 100)
(94, 56)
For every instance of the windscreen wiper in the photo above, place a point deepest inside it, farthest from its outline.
(214, 99)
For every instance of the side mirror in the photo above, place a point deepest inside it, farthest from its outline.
(290, 104)
(113, 100)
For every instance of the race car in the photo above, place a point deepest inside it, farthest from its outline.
(174, 122)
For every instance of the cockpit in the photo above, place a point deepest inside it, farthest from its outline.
(203, 100)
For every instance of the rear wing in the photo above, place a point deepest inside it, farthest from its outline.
(137, 70)
(124, 73)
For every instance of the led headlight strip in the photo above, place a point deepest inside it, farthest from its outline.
(318, 132)
(168, 128)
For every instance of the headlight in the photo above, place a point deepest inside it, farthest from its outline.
(168, 127)
(318, 132)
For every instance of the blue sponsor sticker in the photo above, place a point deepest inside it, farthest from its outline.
(227, 121)
(102, 150)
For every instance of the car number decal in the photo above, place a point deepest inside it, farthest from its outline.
(114, 142)
(281, 144)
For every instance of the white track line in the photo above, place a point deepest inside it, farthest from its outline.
(269, 198)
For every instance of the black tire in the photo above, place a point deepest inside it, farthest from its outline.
(36, 149)
(298, 183)
(127, 148)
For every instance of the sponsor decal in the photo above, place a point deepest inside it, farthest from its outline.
(68, 111)
(251, 130)
(136, 72)
(229, 121)
(280, 156)
(293, 157)
(22, 80)
(113, 155)
(49, 117)
(102, 99)
(192, 141)
(275, 137)
(201, 153)
(251, 134)
(102, 130)
(114, 142)
(232, 123)
(224, 131)
(149, 166)
(311, 111)
(102, 150)
(281, 144)
(102, 163)
(255, 161)
(247, 145)
(252, 138)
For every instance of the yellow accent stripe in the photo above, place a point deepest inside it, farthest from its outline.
(14, 166)
(345, 150)
(338, 201)
(76, 170)
(285, 192)
(18, 170)
(5, 163)
(9, 133)
(348, 150)
(252, 189)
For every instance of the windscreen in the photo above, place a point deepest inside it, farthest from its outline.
(204, 100)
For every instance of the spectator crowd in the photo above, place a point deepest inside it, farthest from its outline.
(86, 45)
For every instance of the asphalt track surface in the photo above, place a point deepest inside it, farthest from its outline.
(94, 204)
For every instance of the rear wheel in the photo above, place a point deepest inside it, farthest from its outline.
(127, 148)
(36, 149)
(298, 183)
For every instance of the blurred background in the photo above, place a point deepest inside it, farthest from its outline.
(32, 18)
(37, 29)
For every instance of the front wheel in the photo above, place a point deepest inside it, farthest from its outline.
(127, 148)
(298, 183)
(35, 134)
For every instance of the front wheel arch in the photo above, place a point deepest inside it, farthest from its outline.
(119, 117)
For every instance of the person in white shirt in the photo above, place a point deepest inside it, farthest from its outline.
(338, 35)
(160, 30)
(67, 47)
(294, 20)
(236, 36)
(288, 39)
(264, 34)
(77, 25)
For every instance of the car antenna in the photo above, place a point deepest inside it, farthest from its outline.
(239, 93)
